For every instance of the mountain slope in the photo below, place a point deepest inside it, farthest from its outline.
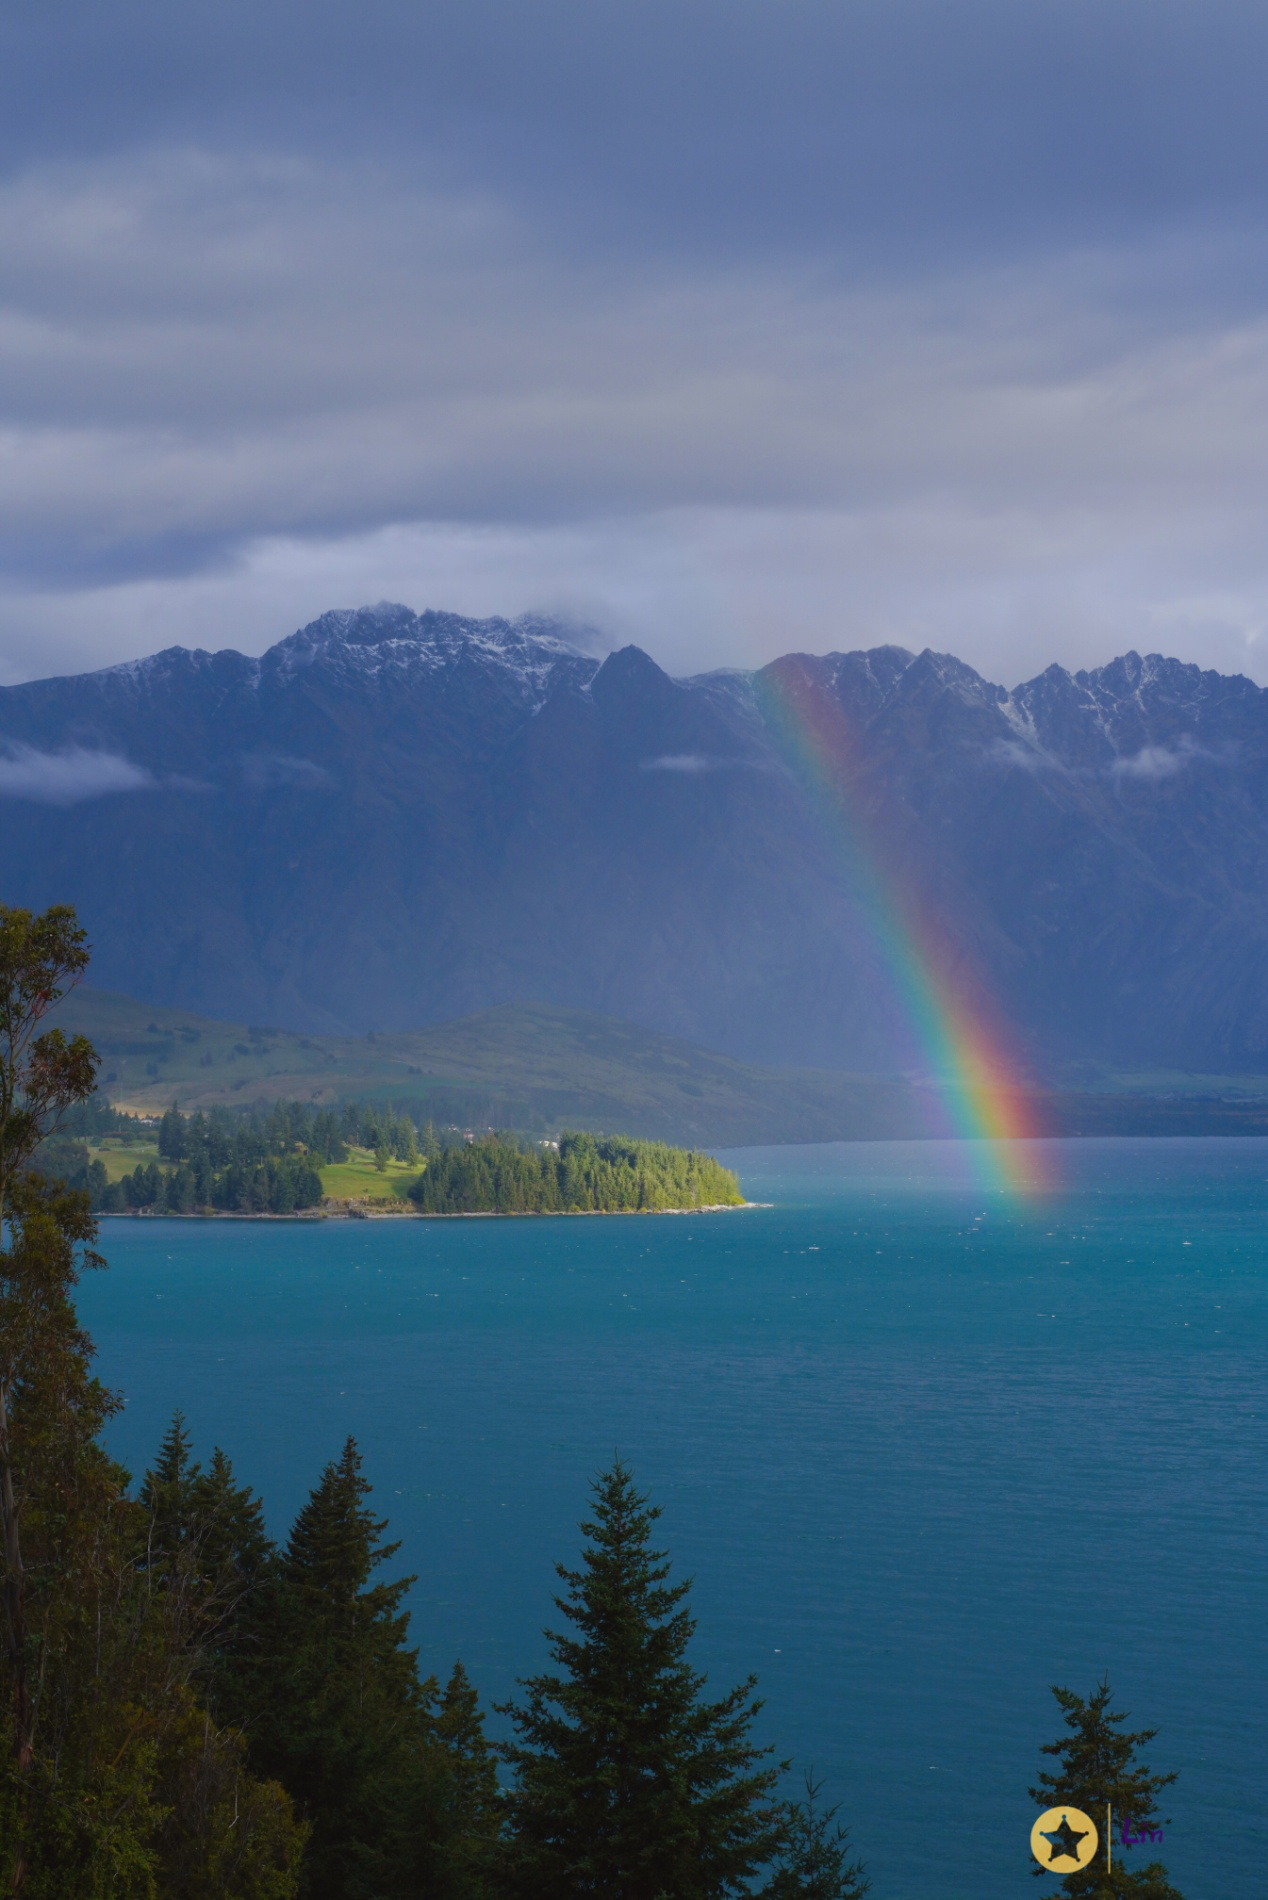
(393, 819)
(523, 1067)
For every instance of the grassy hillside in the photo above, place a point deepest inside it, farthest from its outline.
(543, 1069)
(518, 1066)
(119, 1157)
(358, 1179)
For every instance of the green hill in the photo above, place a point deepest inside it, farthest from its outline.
(541, 1069)
(520, 1066)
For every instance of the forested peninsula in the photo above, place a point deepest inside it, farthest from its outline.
(583, 1175)
(362, 1159)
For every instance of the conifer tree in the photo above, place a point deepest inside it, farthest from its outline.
(629, 1783)
(1097, 1768)
(207, 1547)
(470, 1854)
(236, 1554)
(126, 1780)
(340, 1714)
(167, 1492)
(172, 1135)
(814, 1864)
(113, 1783)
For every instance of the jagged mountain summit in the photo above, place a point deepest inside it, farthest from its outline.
(526, 654)
(392, 819)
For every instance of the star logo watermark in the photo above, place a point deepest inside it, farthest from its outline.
(1063, 1840)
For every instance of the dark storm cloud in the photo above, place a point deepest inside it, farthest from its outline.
(730, 326)
(784, 121)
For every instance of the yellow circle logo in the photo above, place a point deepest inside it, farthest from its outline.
(1063, 1840)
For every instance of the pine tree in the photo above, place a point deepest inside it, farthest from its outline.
(127, 1781)
(1097, 1768)
(473, 1832)
(340, 1714)
(171, 1135)
(114, 1785)
(404, 1140)
(236, 1554)
(814, 1864)
(167, 1492)
(207, 1547)
(629, 1784)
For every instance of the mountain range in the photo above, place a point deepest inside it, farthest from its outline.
(389, 820)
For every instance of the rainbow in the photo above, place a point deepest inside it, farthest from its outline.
(978, 1084)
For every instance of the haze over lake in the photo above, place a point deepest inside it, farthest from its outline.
(924, 1447)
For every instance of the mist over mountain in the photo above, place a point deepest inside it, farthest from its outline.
(393, 819)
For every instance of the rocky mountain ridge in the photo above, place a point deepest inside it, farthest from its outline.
(392, 819)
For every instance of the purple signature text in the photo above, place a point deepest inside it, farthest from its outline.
(1132, 1835)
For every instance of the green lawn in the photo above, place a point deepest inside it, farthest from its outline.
(120, 1157)
(357, 1178)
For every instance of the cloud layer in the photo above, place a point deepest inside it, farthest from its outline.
(1154, 762)
(731, 329)
(67, 777)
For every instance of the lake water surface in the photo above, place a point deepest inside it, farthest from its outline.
(925, 1449)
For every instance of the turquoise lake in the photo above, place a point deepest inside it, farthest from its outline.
(924, 1448)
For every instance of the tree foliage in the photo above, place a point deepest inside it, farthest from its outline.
(1097, 1769)
(42, 1074)
(587, 1174)
(629, 1782)
(399, 1791)
(815, 1863)
(114, 1783)
(280, 1184)
(207, 1548)
(254, 1161)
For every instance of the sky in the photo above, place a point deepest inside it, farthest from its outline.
(731, 327)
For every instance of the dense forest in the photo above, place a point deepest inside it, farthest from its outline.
(584, 1174)
(275, 1185)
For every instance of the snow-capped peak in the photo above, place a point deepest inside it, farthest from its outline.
(392, 639)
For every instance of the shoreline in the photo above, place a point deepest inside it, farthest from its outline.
(310, 1216)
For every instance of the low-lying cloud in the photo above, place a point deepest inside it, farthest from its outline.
(68, 776)
(1160, 761)
(279, 771)
(1151, 764)
(680, 762)
(1029, 758)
